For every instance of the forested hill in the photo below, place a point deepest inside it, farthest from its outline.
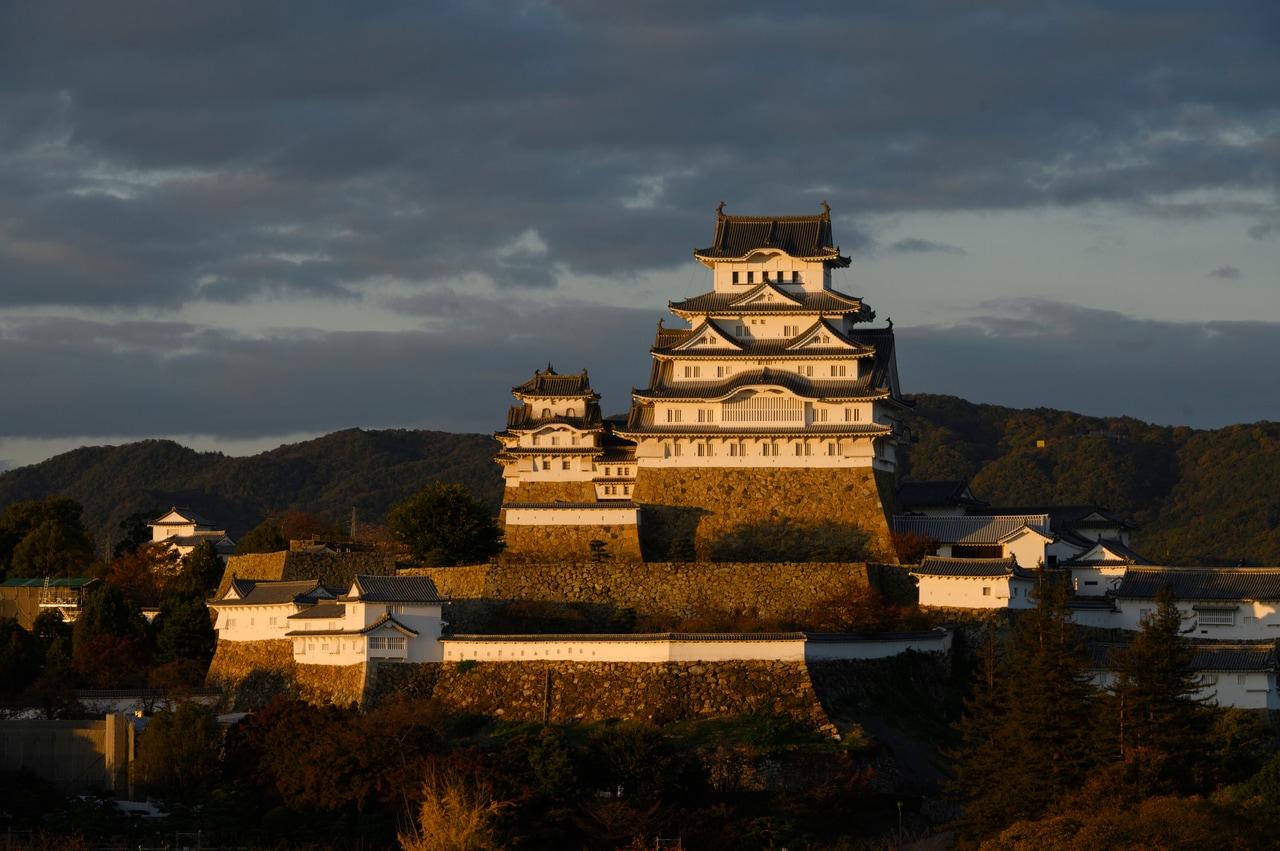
(1202, 497)
(368, 471)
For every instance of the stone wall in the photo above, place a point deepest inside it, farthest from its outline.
(679, 590)
(333, 569)
(660, 693)
(765, 513)
(551, 492)
(557, 543)
(253, 672)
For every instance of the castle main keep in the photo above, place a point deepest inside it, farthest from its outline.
(768, 429)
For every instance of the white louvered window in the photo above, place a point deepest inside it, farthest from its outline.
(819, 415)
(564, 465)
(706, 415)
(673, 415)
(831, 448)
(1217, 617)
(837, 370)
(693, 372)
(762, 408)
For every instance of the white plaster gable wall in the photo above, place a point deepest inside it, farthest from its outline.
(1028, 547)
(1096, 581)
(253, 623)
(1250, 620)
(813, 275)
(975, 592)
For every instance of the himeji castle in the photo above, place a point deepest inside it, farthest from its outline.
(769, 421)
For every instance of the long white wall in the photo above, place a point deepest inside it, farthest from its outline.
(663, 647)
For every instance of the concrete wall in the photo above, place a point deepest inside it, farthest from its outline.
(764, 514)
(681, 590)
(333, 569)
(76, 756)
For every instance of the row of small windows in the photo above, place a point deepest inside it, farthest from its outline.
(708, 415)
(778, 277)
(608, 471)
(554, 440)
(835, 370)
(768, 449)
(571, 412)
(612, 490)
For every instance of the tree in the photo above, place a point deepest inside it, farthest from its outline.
(178, 752)
(1162, 727)
(184, 630)
(459, 812)
(20, 656)
(1027, 747)
(107, 612)
(22, 518)
(52, 549)
(136, 529)
(265, 538)
(202, 570)
(147, 574)
(444, 526)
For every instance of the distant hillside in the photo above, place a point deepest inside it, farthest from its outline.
(1202, 497)
(366, 470)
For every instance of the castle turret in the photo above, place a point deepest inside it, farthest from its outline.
(774, 411)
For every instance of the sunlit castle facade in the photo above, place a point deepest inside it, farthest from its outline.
(770, 420)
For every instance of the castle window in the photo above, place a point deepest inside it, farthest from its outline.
(673, 415)
(606, 470)
(564, 465)
(536, 439)
(739, 330)
(666, 450)
(831, 448)
(706, 415)
(675, 449)
(819, 415)
(574, 440)
(764, 276)
(795, 277)
(790, 330)
(570, 413)
(986, 590)
(804, 370)
(735, 277)
(555, 441)
(546, 412)
(231, 623)
(837, 369)
(693, 372)
(626, 490)
(826, 339)
(751, 277)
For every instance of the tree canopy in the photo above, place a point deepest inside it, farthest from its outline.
(443, 525)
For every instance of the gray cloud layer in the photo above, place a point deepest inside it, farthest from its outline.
(70, 378)
(157, 152)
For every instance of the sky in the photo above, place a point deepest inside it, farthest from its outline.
(243, 224)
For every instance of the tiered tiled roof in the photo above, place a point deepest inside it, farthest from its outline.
(969, 530)
(394, 589)
(551, 385)
(825, 302)
(253, 592)
(1190, 583)
(971, 567)
(1120, 555)
(811, 388)
(668, 343)
(803, 237)
(1232, 658)
(524, 417)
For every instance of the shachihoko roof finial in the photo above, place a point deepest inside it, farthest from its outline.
(826, 208)
(720, 209)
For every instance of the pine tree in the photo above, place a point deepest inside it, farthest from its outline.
(1161, 726)
(1026, 731)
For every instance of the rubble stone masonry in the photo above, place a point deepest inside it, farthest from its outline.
(680, 590)
(729, 512)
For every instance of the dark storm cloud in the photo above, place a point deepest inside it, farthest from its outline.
(1040, 353)
(76, 377)
(156, 152)
(924, 246)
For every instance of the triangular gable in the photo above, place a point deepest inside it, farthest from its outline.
(824, 335)
(766, 294)
(707, 336)
(1025, 529)
(1101, 551)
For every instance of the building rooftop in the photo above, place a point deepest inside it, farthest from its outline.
(394, 589)
(971, 567)
(969, 530)
(1189, 583)
(550, 384)
(803, 237)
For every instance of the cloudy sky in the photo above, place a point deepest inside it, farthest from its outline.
(243, 224)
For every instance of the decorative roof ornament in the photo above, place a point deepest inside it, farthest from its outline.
(826, 211)
(720, 210)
